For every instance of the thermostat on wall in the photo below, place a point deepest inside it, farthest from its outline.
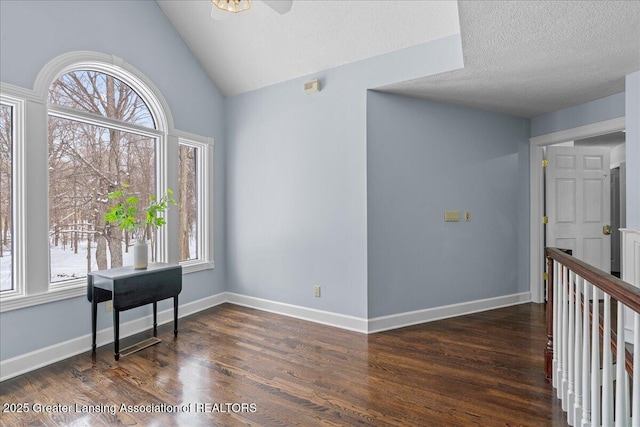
(312, 86)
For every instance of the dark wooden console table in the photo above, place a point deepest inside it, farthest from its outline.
(130, 288)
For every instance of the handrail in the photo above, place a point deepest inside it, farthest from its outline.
(622, 291)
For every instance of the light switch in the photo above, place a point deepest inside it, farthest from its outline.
(467, 216)
(451, 216)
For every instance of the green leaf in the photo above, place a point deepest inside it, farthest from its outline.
(125, 214)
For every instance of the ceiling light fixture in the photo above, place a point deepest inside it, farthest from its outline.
(233, 6)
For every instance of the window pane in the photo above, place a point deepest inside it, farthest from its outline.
(100, 94)
(188, 204)
(6, 186)
(87, 162)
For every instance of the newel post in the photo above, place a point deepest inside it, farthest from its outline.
(548, 352)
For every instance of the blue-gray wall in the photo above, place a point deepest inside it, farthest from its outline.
(609, 107)
(632, 104)
(424, 158)
(33, 33)
(297, 181)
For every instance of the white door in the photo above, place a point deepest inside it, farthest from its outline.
(578, 203)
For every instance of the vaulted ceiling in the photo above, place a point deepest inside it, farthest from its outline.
(523, 58)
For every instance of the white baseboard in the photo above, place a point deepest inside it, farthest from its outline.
(342, 321)
(383, 323)
(45, 356)
(36, 359)
(401, 320)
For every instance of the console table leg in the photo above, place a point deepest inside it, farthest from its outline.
(94, 315)
(116, 334)
(175, 316)
(155, 319)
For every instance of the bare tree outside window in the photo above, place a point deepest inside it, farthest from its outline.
(188, 203)
(6, 196)
(86, 162)
(101, 94)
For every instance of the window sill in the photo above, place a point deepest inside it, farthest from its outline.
(193, 266)
(24, 301)
(75, 289)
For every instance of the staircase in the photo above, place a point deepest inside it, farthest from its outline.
(589, 314)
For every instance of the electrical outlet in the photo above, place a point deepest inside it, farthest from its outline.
(316, 291)
(108, 307)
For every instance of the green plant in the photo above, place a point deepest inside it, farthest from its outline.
(134, 220)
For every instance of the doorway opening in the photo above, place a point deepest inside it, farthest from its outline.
(536, 155)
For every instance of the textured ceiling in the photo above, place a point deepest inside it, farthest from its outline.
(526, 58)
(259, 47)
(523, 58)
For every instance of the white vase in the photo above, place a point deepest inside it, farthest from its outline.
(140, 255)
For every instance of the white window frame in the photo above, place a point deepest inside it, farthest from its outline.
(30, 175)
(204, 164)
(18, 254)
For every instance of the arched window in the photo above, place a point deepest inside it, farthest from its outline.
(101, 135)
(92, 123)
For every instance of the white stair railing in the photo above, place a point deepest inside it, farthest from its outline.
(586, 358)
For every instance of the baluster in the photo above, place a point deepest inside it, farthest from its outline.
(586, 359)
(635, 390)
(571, 350)
(556, 328)
(622, 408)
(607, 365)
(565, 341)
(595, 359)
(627, 397)
(550, 323)
(577, 364)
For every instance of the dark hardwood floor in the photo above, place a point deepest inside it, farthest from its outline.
(232, 365)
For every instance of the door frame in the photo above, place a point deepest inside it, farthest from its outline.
(536, 192)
